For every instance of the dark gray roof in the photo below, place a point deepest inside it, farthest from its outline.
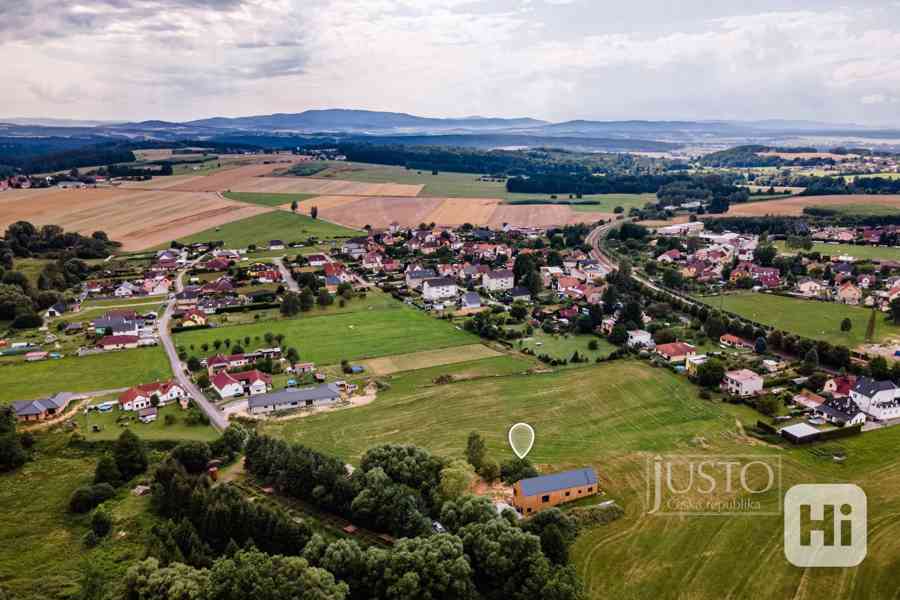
(520, 291)
(471, 298)
(439, 281)
(501, 274)
(326, 391)
(422, 274)
(558, 481)
(869, 387)
(25, 408)
(843, 409)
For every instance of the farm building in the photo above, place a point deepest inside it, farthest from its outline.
(293, 399)
(537, 493)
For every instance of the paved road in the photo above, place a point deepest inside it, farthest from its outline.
(216, 417)
(286, 275)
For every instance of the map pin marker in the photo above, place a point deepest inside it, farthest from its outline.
(521, 439)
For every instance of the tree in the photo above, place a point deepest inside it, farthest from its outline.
(130, 455)
(107, 471)
(714, 327)
(101, 522)
(324, 298)
(455, 479)
(895, 310)
(193, 364)
(476, 450)
(515, 469)
(556, 531)
(314, 212)
(760, 346)
(765, 254)
(490, 469)
(307, 300)
(456, 514)
(12, 454)
(811, 359)
(294, 205)
(87, 497)
(193, 456)
(846, 324)
(291, 304)
(710, 373)
(618, 335)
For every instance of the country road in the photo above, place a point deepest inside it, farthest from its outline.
(216, 417)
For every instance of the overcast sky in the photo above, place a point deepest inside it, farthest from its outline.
(550, 59)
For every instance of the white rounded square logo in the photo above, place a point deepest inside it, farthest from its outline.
(825, 525)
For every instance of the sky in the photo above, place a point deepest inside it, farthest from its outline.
(557, 60)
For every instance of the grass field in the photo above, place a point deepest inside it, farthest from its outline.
(275, 225)
(353, 336)
(41, 548)
(864, 210)
(267, 199)
(858, 252)
(110, 427)
(427, 358)
(563, 346)
(810, 318)
(110, 370)
(615, 417)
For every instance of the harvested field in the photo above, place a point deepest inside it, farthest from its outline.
(456, 211)
(540, 216)
(309, 185)
(139, 219)
(428, 358)
(229, 179)
(794, 206)
(380, 211)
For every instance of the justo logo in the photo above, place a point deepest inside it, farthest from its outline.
(825, 525)
(714, 485)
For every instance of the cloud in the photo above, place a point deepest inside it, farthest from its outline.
(180, 59)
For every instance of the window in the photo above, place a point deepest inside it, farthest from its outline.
(545, 498)
(568, 493)
(591, 489)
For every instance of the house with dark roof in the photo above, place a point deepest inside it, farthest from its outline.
(45, 408)
(291, 399)
(878, 399)
(841, 411)
(534, 494)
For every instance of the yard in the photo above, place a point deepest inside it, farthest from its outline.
(859, 252)
(810, 318)
(113, 423)
(109, 370)
(328, 339)
(276, 225)
(564, 346)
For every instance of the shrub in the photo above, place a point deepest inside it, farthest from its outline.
(101, 523)
(90, 539)
(88, 497)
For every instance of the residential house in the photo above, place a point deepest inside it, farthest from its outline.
(226, 385)
(193, 318)
(495, 281)
(675, 352)
(45, 408)
(692, 363)
(317, 260)
(534, 494)
(57, 310)
(520, 294)
(808, 399)
(141, 396)
(878, 399)
(742, 383)
(733, 341)
(254, 382)
(118, 342)
(415, 278)
(218, 363)
(841, 411)
(440, 288)
(810, 288)
(840, 386)
(324, 395)
(849, 293)
(148, 415)
(638, 338)
(276, 245)
(470, 300)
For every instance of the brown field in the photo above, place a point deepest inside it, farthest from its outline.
(381, 211)
(328, 187)
(428, 358)
(153, 153)
(137, 218)
(795, 206)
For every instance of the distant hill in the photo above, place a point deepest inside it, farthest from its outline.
(360, 120)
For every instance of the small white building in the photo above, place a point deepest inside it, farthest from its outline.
(638, 338)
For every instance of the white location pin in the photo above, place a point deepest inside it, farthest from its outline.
(521, 439)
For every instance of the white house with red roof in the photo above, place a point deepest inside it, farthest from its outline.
(141, 396)
(226, 385)
(254, 382)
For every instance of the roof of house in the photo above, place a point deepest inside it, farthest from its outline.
(519, 291)
(840, 408)
(252, 375)
(326, 391)
(112, 340)
(869, 387)
(26, 408)
(558, 481)
(742, 375)
(471, 298)
(439, 282)
(501, 274)
(675, 349)
(221, 379)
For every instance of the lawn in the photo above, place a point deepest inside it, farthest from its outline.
(145, 303)
(330, 338)
(865, 210)
(275, 225)
(615, 417)
(267, 199)
(564, 346)
(858, 252)
(810, 318)
(113, 423)
(110, 370)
